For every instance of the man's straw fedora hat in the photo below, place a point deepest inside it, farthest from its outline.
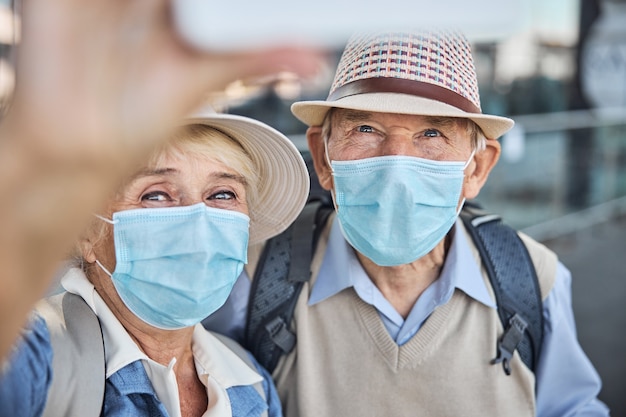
(427, 73)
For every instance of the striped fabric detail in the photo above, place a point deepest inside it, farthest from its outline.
(441, 58)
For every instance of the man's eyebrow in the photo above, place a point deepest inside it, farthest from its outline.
(356, 115)
(442, 122)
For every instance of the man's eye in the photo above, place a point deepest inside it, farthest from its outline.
(432, 133)
(365, 129)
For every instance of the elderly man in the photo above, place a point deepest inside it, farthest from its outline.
(399, 318)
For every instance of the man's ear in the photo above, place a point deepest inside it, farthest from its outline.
(318, 153)
(478, 170)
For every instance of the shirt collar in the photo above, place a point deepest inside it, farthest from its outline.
(335, 271)
(463, 268)
(340, 269)
(211, 356)
(216, 359)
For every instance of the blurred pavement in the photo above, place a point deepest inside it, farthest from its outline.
(596, 256)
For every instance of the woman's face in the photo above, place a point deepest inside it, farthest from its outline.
(183, 182)
(173, 181)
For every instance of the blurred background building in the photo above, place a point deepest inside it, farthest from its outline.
(9, 32)
(560, 72)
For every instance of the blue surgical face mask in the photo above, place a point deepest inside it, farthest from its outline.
(175, 266)
(396, 209)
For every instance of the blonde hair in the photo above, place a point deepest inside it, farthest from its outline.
(214, 145)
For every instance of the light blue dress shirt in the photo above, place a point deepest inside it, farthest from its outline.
(567, 382)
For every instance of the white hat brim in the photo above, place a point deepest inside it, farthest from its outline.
(284, 180)
(312, 113)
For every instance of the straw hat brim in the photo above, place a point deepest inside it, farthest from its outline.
(312, 113)
(284, 180)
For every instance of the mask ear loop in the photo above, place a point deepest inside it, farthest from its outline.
(469, 159)
(106, 271)
(104, 219)
(458, 211)
(332, 172)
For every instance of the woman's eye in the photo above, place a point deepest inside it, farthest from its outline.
(432, 133)
(156, 196)
(365, 129)
(223, 195)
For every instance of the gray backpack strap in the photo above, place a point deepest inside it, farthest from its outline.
(78, 374)
(244, 356)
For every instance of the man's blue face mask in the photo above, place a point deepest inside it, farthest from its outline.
(175, 266)
(396, 209)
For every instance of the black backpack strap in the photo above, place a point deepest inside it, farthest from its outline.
(515, 284)
(282, 270)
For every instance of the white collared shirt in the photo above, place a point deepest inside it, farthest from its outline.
(217, 366)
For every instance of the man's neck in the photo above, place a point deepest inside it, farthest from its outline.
(402, 285)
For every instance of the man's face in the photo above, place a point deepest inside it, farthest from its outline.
(358, 135)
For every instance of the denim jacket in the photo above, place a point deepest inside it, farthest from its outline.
(26, 378)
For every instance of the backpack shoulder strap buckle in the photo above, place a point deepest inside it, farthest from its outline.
(512, 336)
(280, 334)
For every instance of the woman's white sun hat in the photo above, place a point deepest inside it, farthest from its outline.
(284, 179)
(426, 73)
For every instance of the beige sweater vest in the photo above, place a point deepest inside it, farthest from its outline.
(346, 364)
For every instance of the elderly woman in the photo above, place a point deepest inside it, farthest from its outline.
(124, 338)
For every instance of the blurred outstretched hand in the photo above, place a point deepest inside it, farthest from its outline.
(98, 84)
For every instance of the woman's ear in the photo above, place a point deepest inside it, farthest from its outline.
(318, 153)
(478, 170)
(86, 250)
